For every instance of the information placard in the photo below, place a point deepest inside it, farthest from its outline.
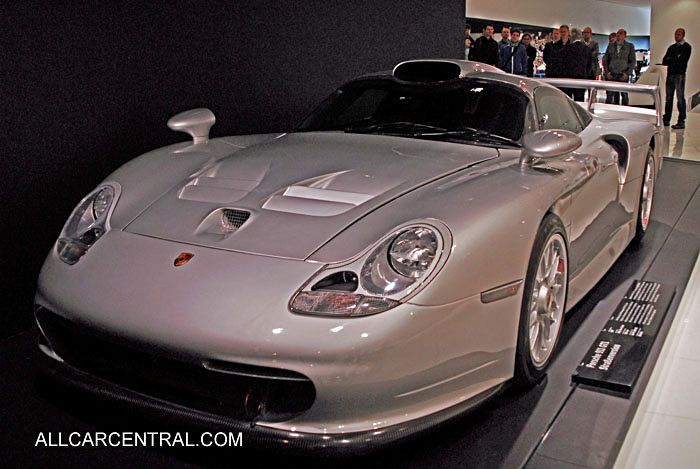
(615, 359)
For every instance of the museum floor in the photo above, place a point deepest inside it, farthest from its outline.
(556, 424)
(684, 144)
(666, 428)
(665, 431)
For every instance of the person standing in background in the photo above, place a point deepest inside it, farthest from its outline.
(552, 55)
(468, 40)
(564, 33)
(619, 61)
(676, 59)
(513, 56)
(612, 37)
(505, 37)
(576, 63)
(485, 48)
(595, 51)
(531, 54)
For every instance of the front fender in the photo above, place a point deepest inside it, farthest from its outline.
(493, 213)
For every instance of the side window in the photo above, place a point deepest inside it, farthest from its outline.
(554, 111)
(530, 119)
(583, 115)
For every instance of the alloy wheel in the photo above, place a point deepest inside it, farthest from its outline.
(546, 309)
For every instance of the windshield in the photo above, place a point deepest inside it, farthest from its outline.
(463, 110)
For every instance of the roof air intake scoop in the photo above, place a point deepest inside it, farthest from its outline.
(195, 122)
(427, 71)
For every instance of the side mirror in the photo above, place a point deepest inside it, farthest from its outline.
(195, 122)
(548, 144)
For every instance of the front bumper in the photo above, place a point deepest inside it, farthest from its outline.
(90, 390)
(61, 378)
(369, 374)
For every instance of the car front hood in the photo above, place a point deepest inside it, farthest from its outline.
(300, 190)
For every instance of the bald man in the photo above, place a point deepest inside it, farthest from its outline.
(676, 59)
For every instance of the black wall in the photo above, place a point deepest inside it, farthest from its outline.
(86, 86)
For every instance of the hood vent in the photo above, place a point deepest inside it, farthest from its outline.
(222, 222)
(232, 219)
(315, 202)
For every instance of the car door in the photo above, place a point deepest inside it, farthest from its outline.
(595, 211)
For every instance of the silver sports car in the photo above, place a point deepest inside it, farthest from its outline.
(413, 245)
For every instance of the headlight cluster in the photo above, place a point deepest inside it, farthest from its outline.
(395, 268)
(400, 261)
(88, 222)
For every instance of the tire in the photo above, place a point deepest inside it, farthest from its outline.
(544, 303)
(646, 197)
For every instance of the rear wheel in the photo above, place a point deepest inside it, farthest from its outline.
(544, 300)
(646, 197)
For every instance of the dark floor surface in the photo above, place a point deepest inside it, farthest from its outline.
(556, 424)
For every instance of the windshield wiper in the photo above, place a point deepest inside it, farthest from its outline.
(473, 134)
(414, 129)
(398, 126)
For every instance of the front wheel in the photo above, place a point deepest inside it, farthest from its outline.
(646, 197)
(544, 300)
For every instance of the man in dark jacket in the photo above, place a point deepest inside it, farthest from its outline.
(505, 37)
(564, 33)
(576, 62)
(593, 46)
(531, 54)
(468, 40)
(552, 55)
(676, 59)
(485, 48)
(513, 56)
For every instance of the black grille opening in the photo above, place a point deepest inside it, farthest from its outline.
(340, 281)
(241, 392)
(232, 219)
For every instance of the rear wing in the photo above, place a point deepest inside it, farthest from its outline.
(646, 104)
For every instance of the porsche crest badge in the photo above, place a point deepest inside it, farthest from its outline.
(183, 258)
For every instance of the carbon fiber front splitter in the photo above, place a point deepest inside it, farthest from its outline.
(84, 388)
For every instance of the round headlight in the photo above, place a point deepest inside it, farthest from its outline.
(87, 224)
(397, 266)
(102, 201)
(412, 252)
